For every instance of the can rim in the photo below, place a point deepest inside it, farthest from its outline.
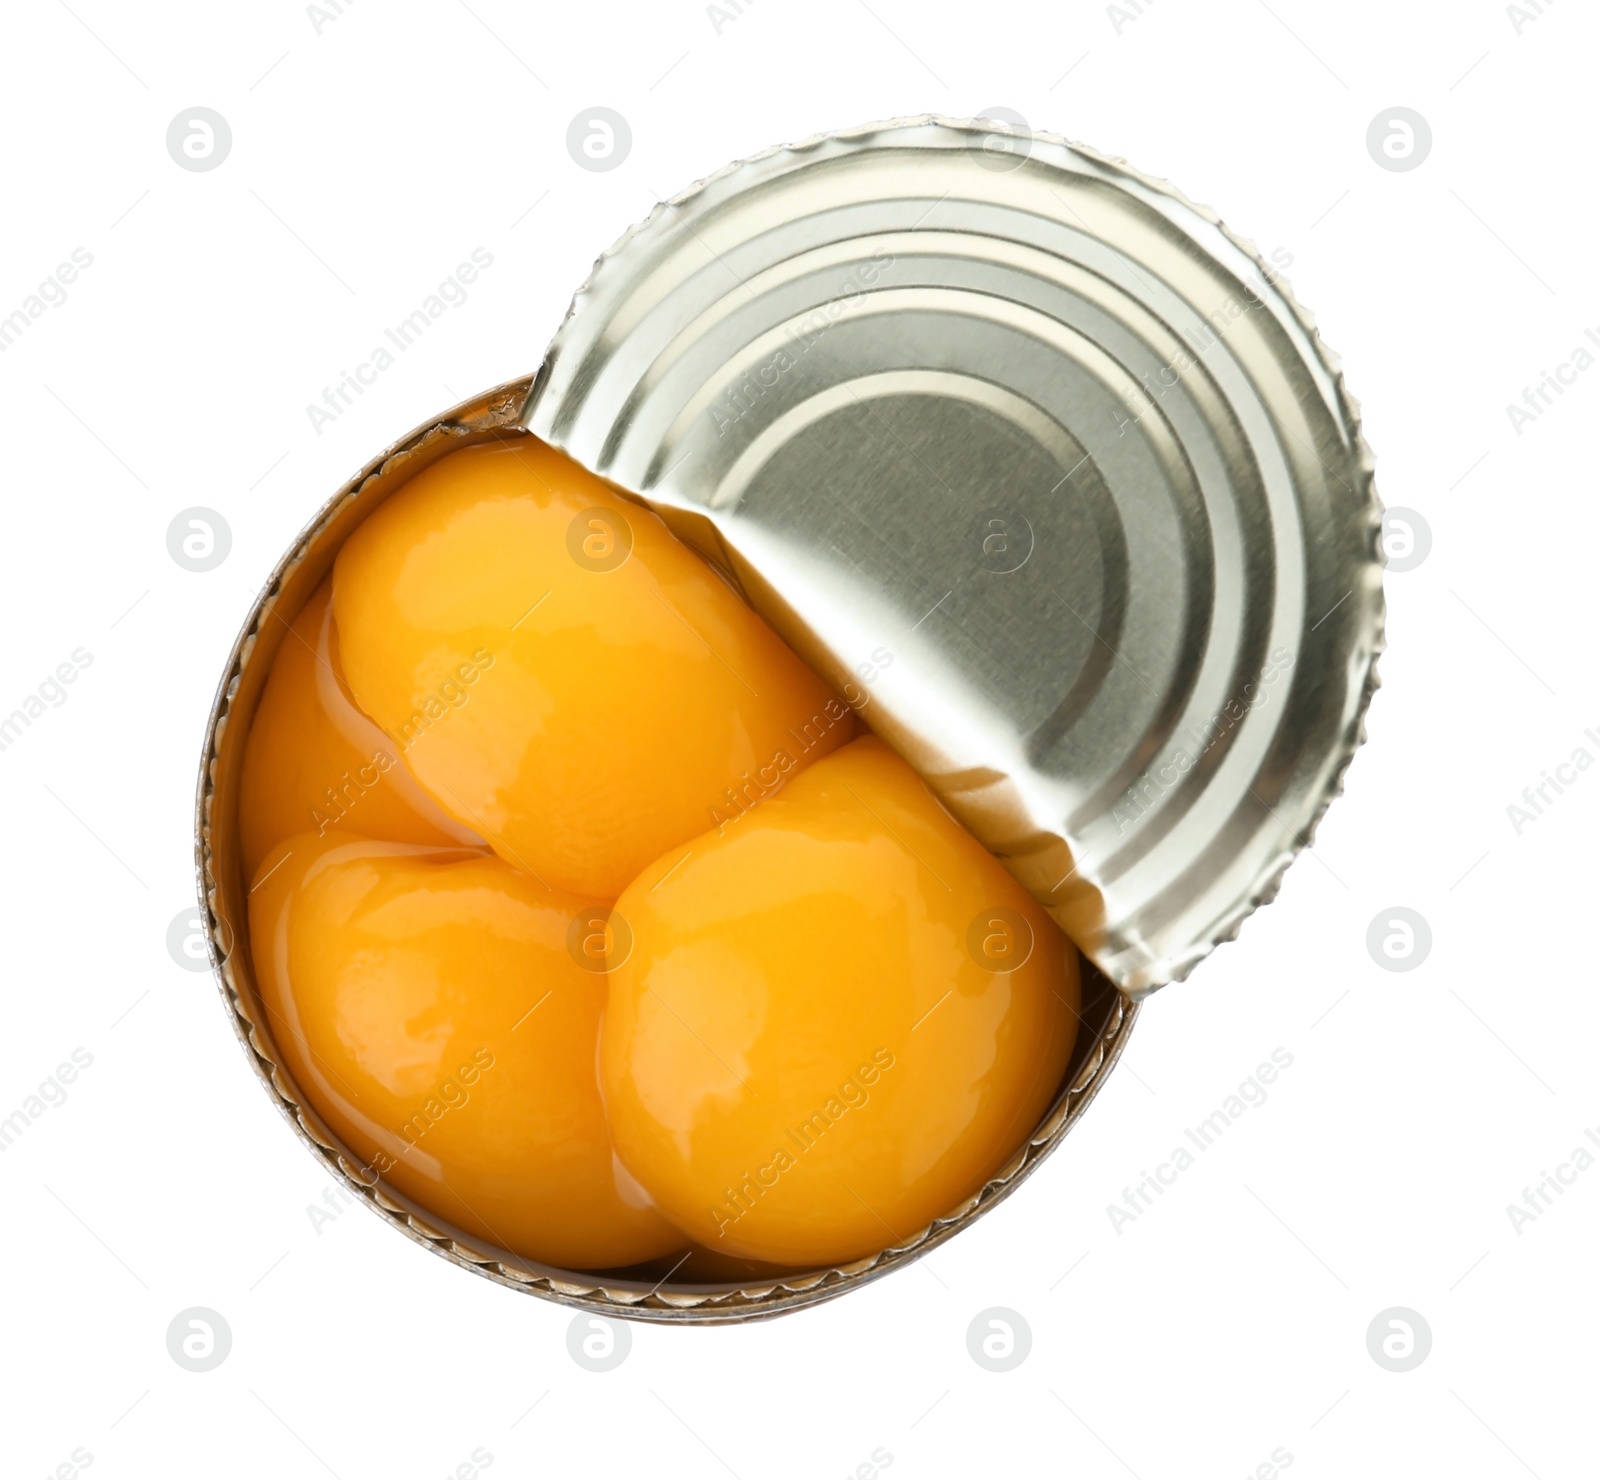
(482, 417)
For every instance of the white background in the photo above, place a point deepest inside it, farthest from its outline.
(1229, 1320)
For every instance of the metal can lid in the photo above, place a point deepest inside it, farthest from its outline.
(1042, 467)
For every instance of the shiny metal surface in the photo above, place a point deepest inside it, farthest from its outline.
(1034, 461)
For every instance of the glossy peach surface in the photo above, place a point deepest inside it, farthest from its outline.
(561, 673)
(837, 1018)
(315, 763)
(428, 1005)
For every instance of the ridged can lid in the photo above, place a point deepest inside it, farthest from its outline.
(1041, 467)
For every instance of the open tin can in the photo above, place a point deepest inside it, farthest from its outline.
(1031, 422)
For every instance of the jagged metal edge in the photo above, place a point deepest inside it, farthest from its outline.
(1270, 879)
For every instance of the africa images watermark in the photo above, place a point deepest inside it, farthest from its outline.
(741, 396)
(852, 1095)
(740, 798)
(1250, 1095)
(1123, 16)
(1541, 397)
(323, 16)
(1197, 343)
(336, 1200)
(1538, 1199)
(1524, 15)
(51, 293)
(451, 695)
(50, 691)
(1543, 794)
(451, 293)
(725, 15)
(1158, 780)
(50, 1094)
(452, 1094)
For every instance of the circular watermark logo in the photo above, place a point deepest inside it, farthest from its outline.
(199, 139)
(1002, 540)
(1399, 139)
(999, 1339)
(1399, 939)
(186, 939)
(599, 938)
(599, 139)
(1000, 939)
(1003, 148)
(599, 539)
(199, 539)
(598, 1344)
(1405, 538)
(199, 1339)
(1399, 1339)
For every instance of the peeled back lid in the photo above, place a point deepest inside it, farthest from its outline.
(1035, 462)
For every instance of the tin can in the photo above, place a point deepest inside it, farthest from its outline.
(1045, 431)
